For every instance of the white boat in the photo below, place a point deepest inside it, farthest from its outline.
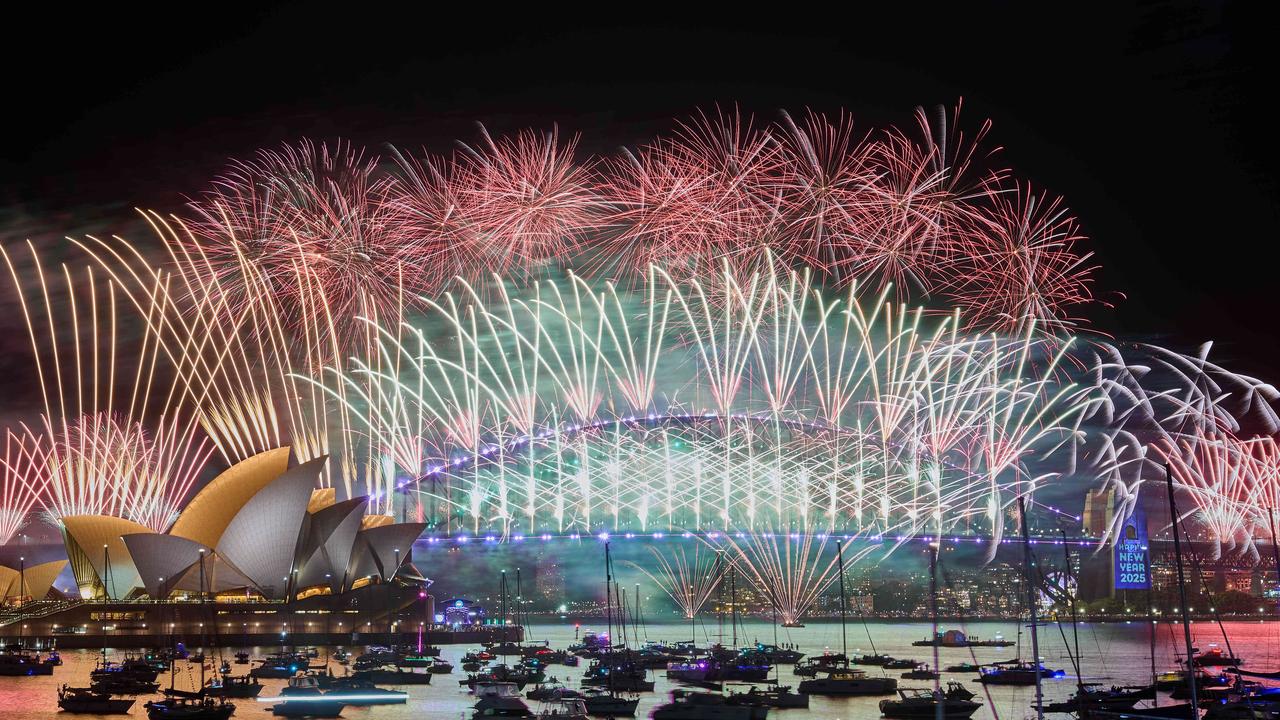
(846, 681)
(563, 709)
(500, 699)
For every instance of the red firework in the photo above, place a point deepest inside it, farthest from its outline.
(505, 206)
(306, 221)
(691, 202)
(828, 188)
(1021, 266)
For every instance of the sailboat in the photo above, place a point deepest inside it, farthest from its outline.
(610, 702)
(186, 705)
(841, 679)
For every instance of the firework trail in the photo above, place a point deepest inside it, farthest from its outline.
(556, 407)
(22, 482)
(99, 392)
(688, 581)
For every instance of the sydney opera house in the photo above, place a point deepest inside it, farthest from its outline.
(259, 551)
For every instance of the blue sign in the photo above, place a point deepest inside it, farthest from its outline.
(1132, 559)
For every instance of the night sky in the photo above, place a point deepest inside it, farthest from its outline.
(1148, 119)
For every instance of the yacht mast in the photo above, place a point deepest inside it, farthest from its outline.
(1031, 606)
(1182, 596)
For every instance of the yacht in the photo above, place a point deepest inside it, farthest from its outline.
(189, 706)
(1017, 673)
(1092, 696)
(303, 698)
(563, 709)
(847, 681)
(693, 705)
(21, 663)
(234, 686)
(500, 699)
(88, 700)
(609, 704)
(781, 697)
(356, 692)
(956, 704)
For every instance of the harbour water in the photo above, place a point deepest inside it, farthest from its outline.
(1114, 653)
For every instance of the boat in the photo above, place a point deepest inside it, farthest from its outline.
(958, 639)
(551, 690)
(1215, 657)
(963, 668)
(302, 697)
(609, 704)
(440, 667)
(123, 685)
(189, 706)
(697, 705)
(921, 672)
(810, 667)
(500, 699)
(21, 663)
(563, 709)
(358, 693)
(133, 667)
(778, 656)
(1016, 673)
(1092, 696)
(393, 676)
(876, 660)
(1175, 682)
(280, 666)
(955, 703)
(781, 697)
(847, 681)
(895, 664)
(242, 658)
(234, 686)
(88, 700)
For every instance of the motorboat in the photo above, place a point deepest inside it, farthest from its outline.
(876, 660)
(302, 697)
(90, 701)
(1092, 696)
(921, 672)
(610, 704)
(955, 703)
(810, 667)
(393, 676)
(563, 709)
(1215, 657)
(548, 691)
(356, 692)
(848, 681)
(234, 686)
(896, 664)
(500, 699)
(779, 656)
(242, 658)
(134, 667)
(1017, 673)
(123, 685)
(697, 705)
(189, 706)
(21, 663)
(781, 697)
